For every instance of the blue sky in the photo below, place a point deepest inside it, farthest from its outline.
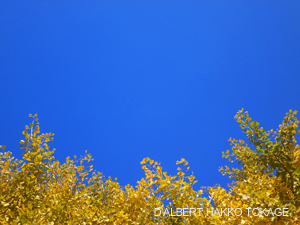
(127, 80)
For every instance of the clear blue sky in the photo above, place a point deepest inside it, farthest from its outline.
(132, 79)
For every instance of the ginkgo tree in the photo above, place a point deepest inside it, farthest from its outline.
(268, 178)
(41, 190)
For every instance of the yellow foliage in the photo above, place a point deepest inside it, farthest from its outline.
(40, 190)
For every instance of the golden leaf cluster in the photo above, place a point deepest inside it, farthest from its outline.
(40, 190)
